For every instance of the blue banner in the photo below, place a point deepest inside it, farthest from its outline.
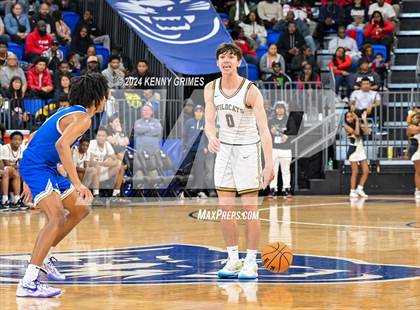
(182, 34)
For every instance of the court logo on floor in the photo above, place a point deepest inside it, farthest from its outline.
(181, 263)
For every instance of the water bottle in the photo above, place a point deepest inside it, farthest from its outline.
(330, 164)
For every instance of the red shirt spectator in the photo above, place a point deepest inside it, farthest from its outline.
(38, 41)
(341, 63)
(377, 30)
(39, 79)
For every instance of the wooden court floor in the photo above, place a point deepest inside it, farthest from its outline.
(348, 255)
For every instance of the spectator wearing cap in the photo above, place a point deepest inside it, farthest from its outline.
(63, 31)
(277, 79)
(39, 80)
(17, 24)
(10, 70)
(63, 69)
(267, 60)
(114, 74)
(194, 149)
(92, 65)
(43, 14)
(63, 88)
(54, 55)
(37, 42)
(91, 51)
(365, 72)
(4, 53)
(148, 131)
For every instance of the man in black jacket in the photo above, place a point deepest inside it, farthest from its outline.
(93, 30)
(331, 16)
(43, 14)
(290, 43)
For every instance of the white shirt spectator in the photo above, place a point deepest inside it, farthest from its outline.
(268, 11)
(79, 159)
(386, 10)
(100, 154)
(362, 99)
(6, 153)
(348, 43)
(254, 28)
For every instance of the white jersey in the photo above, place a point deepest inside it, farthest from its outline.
(237, 122)
(6, 153)
(79, 159)
(100, 154)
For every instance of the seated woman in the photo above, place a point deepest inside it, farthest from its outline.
(341, 66)
(15, 95)
(63, 89)
(308, 79)
(63, 33)
(17, 24)
(245, 45)
(254, 29)
(267, 60)
(380, 32)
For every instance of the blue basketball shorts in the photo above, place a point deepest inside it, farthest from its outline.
(43, 179)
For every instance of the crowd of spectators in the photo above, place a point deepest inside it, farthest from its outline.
(345, 28)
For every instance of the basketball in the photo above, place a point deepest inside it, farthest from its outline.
(276, 257)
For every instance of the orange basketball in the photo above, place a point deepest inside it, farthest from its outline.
(276, 257)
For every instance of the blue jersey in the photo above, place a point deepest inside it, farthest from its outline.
(41, 149)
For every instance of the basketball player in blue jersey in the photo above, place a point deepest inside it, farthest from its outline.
(238, 105)
(50, 191)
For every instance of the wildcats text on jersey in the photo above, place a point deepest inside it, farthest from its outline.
(229, 107)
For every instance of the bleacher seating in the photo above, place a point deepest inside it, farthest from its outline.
(104, 52)
(17, 49)
(71, 19)
(253, 72)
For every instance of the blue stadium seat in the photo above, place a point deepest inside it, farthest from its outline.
(33, 105)
(104, 52)
(223, 16)
(253, 72)
(262, 50)
(359, 38)
(380, 49)
(71, 19)
(65, 49)
(273, 37)
(16, 49)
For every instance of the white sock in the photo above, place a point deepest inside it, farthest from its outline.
(31, 273)
(96, 192)
(251, 255)
(360, 187)
(17, 197)
(4, 198)
(116, 192)
(233, 252)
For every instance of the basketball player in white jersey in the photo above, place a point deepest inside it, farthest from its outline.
(238, 105)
